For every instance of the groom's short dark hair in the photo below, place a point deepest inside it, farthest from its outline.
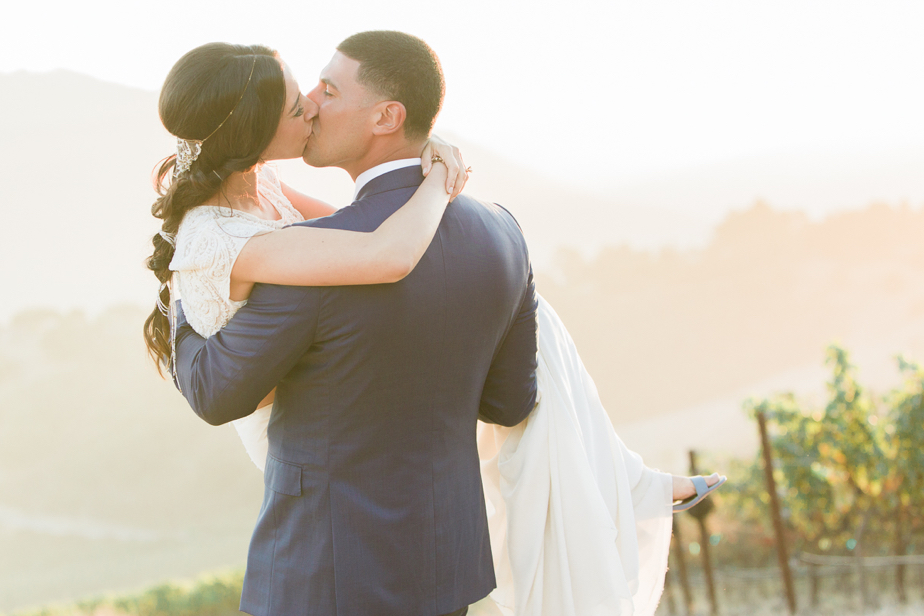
(401, 68)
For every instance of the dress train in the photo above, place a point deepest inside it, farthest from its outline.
(579, 525)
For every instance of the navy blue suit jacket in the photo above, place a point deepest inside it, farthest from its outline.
(373, 501)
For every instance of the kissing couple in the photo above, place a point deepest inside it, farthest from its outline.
(429, 437)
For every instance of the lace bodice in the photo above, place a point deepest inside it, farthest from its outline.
(208, 242)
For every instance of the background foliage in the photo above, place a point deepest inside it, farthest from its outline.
(849, 474)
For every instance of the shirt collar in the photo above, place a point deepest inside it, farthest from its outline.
(370, 174)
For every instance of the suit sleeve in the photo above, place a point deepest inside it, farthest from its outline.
(510, 389)
(226, 376)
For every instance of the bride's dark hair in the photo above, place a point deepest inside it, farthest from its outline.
(238, 89)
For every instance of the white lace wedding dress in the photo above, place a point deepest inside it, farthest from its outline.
(208, 242)
(579, 525)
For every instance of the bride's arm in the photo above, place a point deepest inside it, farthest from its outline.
(309, 256)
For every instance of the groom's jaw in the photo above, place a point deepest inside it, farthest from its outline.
(378, 150)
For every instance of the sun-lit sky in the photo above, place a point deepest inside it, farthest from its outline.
(612, 89)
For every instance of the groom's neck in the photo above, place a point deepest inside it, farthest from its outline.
(384, 152)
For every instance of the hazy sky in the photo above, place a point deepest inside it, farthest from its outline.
(611, 89)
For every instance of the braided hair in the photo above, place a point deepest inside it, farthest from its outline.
(231, 98)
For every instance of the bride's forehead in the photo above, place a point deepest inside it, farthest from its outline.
(286, 71)
(291, 82)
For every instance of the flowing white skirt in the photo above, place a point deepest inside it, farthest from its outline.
(579, 525)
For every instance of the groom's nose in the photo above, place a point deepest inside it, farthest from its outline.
(315, 95)
(311, 109)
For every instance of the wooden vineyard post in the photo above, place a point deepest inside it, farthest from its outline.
(682, 570)
(699, 513)
(862, 582)
(813, 585)
(781, 551)
(899, 551)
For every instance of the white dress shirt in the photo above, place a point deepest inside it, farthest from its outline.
(370, 174)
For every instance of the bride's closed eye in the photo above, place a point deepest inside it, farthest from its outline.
(300, 110)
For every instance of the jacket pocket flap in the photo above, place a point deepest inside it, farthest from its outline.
(282, 477)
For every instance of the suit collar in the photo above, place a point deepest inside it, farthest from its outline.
(370, 174)
(406, 177)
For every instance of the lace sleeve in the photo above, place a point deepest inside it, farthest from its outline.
(207, 245)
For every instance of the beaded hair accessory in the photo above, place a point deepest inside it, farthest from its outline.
(188, 150)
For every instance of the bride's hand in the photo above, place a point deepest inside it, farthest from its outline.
(452, 158)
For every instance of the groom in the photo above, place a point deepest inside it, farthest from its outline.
(373, 503)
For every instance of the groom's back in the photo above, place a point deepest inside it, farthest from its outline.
(374, 501)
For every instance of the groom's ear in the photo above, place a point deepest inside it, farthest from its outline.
(389, 118)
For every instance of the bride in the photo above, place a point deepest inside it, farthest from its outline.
(578, 524)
